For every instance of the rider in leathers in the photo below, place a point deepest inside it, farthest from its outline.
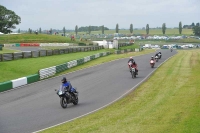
(68, 85)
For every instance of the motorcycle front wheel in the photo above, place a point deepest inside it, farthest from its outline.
(75, 101)
(133, 74)
(63, 102)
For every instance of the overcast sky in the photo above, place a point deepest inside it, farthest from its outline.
(56, 14)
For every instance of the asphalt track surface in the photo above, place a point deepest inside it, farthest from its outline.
(36, 106)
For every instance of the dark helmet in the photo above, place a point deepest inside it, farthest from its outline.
(64, 80)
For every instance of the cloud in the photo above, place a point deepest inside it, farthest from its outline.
(57, 14)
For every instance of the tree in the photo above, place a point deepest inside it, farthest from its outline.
(29, 31)
(93, 28)
(192, 24)
(163, 28)
(180, 28)
(147, 29)
(76, 29)
(196, 30)
(117, 28)
(40, 30)
(89, 30)
(102, 29)
(131, 28)
(64, 31)
(197, 24)
(18, 31)
(50, 31)
(8, 20)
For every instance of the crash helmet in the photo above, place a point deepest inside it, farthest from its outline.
(64, 80)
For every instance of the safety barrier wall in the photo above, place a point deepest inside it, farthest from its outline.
(127, 50)
(41, 53)
(4, 86)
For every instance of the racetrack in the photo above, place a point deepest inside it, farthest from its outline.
(36, 106)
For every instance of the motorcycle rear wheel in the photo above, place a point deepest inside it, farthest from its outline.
(63, 102)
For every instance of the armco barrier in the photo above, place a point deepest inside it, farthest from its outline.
(5, 86)
(126, 50)
(17, 56)
(1, 58)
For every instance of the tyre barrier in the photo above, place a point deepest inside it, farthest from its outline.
(48, 72)
(127, 50)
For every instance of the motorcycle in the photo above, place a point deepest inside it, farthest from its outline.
(156, 58)
(132, 70)
(67, 97)
(159, 55)
(152, 63)
(171, 50)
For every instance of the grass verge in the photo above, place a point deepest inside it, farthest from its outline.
(169, 102)
(7, 50)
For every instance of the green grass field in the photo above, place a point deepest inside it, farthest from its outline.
(44, 38)
(151, 32)
(33, 38)
(7, 50)
(169, 102)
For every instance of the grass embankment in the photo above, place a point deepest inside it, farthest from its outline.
(23, 67)
(45, 38)
(7, 50)
(33, 38)
(169, 102)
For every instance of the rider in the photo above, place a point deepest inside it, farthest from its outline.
(152, 58)
(131, 59)
(134, 65)
(160, 54)
(68, 85)
(156, 55)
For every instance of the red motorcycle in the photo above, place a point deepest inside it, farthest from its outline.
(152, 63)
(132, 70)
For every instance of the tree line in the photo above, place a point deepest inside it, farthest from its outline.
(8, 20)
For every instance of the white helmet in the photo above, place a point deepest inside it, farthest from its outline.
(131, 57)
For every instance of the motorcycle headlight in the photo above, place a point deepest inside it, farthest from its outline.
(60, 93)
